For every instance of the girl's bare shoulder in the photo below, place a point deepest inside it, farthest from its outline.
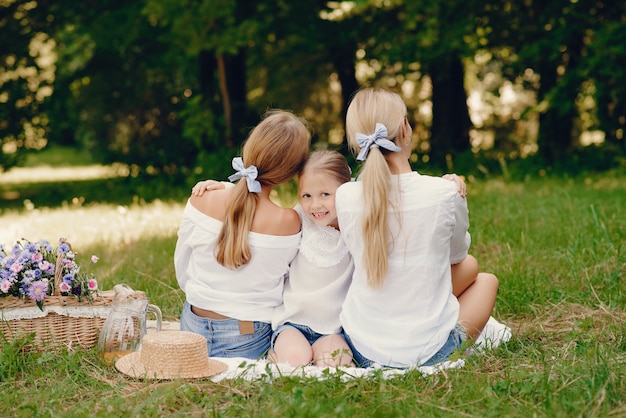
(274, 220)
(212, 203)
(292, 221)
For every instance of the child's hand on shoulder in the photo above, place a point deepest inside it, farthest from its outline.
(206, 185)
(460, 184)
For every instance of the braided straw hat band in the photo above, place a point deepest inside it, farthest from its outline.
(171, 355)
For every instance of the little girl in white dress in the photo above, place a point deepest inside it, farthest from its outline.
(306, 326)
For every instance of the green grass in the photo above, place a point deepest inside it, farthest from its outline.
(58, 156)
(557, 246)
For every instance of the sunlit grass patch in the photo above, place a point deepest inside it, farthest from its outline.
(112, 225)
(46, 174)
(563, 324)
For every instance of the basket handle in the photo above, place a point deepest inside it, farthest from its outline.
(58, 270)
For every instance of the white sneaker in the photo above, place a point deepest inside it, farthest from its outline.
(492, 335)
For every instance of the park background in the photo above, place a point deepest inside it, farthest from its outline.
(111, 110)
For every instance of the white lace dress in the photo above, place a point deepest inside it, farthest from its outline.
(318, 281)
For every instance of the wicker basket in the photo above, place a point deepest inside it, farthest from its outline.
(64, 321)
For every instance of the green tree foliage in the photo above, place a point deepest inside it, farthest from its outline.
(408, 41)
(167, 86)
(606, 67)
(129, 89)
(306, 61)
(26, 76)
(565, 44)
(213, 36)
(117, 88)
(442, 34)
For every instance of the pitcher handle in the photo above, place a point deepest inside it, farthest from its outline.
(157, 313)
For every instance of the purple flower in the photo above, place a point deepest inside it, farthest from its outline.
(24, 258)
(27, 269)
(63, 248)
(38, 290)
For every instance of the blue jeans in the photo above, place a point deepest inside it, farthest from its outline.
(224, 338)
(310, 335)
(454, 342)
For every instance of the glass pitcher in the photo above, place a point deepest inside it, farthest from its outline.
(125, 325)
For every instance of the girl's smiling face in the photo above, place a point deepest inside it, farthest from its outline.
(317, 198)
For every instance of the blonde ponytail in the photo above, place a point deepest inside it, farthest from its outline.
(367, 108)
(376, 177)
(232, 249)
(278, 148)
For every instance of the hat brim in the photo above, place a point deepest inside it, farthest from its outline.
(131, 365)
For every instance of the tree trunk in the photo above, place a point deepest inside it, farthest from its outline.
(225, 94)
(343, 61)
(242, 117)
(345, 66)
(207, 65)
(556, 124)
(223, 86)
(451, 121)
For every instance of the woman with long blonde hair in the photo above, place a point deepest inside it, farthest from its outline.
(404, 231)
(235, 245)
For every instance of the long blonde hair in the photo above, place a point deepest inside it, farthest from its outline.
(368, 107)
(278, 147)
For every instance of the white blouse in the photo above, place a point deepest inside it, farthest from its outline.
(249, 293)
(318, 280)
(409, 318)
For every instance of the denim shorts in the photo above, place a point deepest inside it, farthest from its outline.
(223, 336)
(454, 342)
(310, 335)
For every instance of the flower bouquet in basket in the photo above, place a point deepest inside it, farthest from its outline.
(44, 291)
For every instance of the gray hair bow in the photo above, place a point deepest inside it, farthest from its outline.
(249, 173)
(379, 137)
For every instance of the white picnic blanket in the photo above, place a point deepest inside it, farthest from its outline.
(493, 335)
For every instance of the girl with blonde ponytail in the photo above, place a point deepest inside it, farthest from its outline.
(235, 245)
(404, 231)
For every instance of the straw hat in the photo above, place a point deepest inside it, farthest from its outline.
(171, 355)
